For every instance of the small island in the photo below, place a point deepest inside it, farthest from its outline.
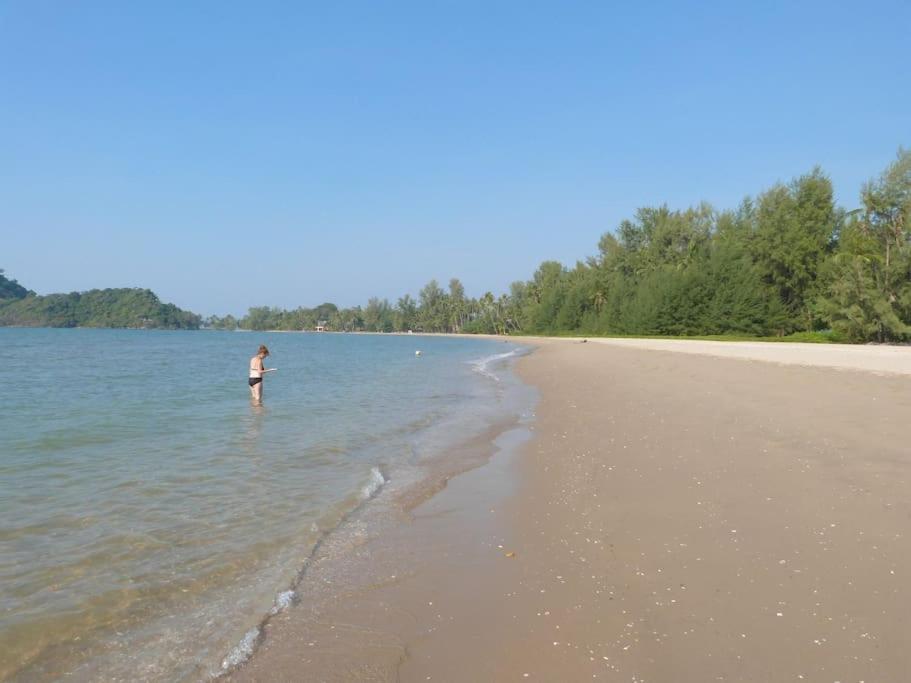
(131, 308)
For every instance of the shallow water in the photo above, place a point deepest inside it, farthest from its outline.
(150, 516)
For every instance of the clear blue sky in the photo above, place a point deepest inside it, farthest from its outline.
(233, 154)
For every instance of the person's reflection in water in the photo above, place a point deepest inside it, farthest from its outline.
(253, 427)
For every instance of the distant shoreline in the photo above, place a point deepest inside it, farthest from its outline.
(631, 340)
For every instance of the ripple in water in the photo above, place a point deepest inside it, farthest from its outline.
(149, 522)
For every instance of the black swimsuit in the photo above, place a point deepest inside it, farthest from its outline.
(255, 380)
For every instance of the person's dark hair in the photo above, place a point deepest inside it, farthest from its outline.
(263, 350)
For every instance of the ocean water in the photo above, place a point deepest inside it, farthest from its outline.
(150, 517)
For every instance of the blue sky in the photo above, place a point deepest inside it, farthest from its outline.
(235, 154)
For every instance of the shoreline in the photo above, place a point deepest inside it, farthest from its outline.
(362, 556)
(334, 561)
(674, 517)
(890, 359)
(292, 476)
(364, 639)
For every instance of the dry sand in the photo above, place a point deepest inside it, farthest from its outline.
(674, 518)
(890, 360)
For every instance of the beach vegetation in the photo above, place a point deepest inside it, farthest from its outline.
(787, 264)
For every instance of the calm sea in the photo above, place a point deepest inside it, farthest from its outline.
(150, 517)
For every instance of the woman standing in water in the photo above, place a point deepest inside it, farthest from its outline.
(257, 370)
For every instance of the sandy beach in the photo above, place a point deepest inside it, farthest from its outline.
(673, 517)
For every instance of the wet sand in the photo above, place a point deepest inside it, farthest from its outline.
(675, 517)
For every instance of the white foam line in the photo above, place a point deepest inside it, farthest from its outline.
(375, 484)
(282, 602)
(242, 651)
(247, 645)
(482, 365)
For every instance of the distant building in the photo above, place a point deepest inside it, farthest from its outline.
(321, 325)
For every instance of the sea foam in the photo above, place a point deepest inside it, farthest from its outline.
(483, 365)
(242, 651)
(282, 602)
(375, 484)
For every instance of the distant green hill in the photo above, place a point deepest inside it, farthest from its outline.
(10, 289)
(126, 307)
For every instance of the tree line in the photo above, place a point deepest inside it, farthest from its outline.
(787, 262)
(435, 310)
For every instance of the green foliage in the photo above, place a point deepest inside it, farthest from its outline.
(263, 318)
(817, 337)
(781, 266)
(406, 313)
(786, 265)
(214, 322)
(378, 316)
(10, 289)
(794, 225)
(432, 313)
(867, 281)
(127, 308)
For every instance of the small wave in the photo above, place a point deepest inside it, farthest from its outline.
(247, 645)
(282, 602)
(242, 651)
(375, 484)
(482, 365)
